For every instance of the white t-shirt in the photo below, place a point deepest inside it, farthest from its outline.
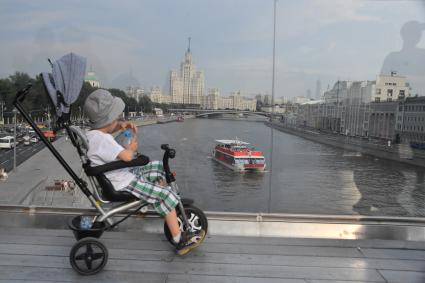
(104, 149)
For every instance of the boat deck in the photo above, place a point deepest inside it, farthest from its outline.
(41, 255)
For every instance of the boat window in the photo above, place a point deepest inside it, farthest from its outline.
(242, 161)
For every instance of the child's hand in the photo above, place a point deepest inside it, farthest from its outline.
(162, 182)
(129, 125)
(132, 145)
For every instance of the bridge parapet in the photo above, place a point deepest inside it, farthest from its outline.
(206, 112)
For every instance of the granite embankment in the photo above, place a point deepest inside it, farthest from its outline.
(399, 152)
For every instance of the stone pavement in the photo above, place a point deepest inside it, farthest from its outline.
(41, 255)
(27, 184)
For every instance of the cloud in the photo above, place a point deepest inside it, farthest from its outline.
(30, 20)
(296, 18)
(256, 64)
(306, 49)
(317, 14)
(325, 12)
(331, 46)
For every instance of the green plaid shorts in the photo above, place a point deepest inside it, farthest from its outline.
(143, 186)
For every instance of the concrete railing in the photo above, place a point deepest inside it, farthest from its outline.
(239, 224)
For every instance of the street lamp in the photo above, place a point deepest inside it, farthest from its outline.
(82, 117)
(14, 111)
(2, 112)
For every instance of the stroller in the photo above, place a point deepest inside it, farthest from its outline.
(89, 255)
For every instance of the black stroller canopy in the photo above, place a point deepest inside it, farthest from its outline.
(65, 82)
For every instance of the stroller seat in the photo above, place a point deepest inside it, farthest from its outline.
(107, 192)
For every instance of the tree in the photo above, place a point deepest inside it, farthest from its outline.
(9, 88)
(129, 101)
(146, 104)
(163, 106)
(6, 93)
(20, 80)
(77, 107)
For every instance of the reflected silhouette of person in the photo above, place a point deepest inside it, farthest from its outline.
(379, 188)
(418, 193)
(409, 61)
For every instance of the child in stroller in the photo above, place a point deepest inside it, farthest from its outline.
(144, 182)
(134, 188)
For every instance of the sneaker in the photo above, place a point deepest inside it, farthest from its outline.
(189, 241)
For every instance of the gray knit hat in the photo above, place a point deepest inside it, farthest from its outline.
(102, 108)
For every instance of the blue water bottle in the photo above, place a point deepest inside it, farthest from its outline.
(124, 138)
(85, 222)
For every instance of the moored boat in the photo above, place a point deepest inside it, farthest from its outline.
(236, 155)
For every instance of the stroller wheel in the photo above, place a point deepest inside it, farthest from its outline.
(197, 221)
(88, 256)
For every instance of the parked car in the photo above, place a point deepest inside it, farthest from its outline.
(7, 142)
(50, 135)
(34, 140)
(27, 140)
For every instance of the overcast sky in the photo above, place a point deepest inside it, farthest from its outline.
(140, 41)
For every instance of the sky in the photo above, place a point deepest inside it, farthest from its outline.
(139, 42)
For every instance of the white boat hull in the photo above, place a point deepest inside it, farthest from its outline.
(238, 168)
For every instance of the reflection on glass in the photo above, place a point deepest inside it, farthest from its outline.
(344, 132)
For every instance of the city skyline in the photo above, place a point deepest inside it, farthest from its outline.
(234, 52)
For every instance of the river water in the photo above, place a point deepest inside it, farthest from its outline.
(304, 177)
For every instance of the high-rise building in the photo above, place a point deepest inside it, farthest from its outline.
(156, 94)
(187, 87)
(211, 101)
(176, 88)
(318, 90)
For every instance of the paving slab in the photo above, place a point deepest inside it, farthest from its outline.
(41, 255)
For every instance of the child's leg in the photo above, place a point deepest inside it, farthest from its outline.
(163, 199)
(173, 225)
(152, 171)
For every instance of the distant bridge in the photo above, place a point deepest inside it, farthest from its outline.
(209, 112)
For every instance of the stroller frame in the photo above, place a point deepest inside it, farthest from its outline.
(89, 249)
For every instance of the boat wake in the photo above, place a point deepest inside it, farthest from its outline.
(353, 154)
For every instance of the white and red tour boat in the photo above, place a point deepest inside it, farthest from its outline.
(236, 155)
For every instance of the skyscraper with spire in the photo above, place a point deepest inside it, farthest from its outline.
(187, 87)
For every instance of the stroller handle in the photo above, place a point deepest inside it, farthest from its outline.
(168, 153)
(20, 95)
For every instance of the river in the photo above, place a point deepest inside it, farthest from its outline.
(306, 177)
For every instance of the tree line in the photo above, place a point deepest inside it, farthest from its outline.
(37, 102)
